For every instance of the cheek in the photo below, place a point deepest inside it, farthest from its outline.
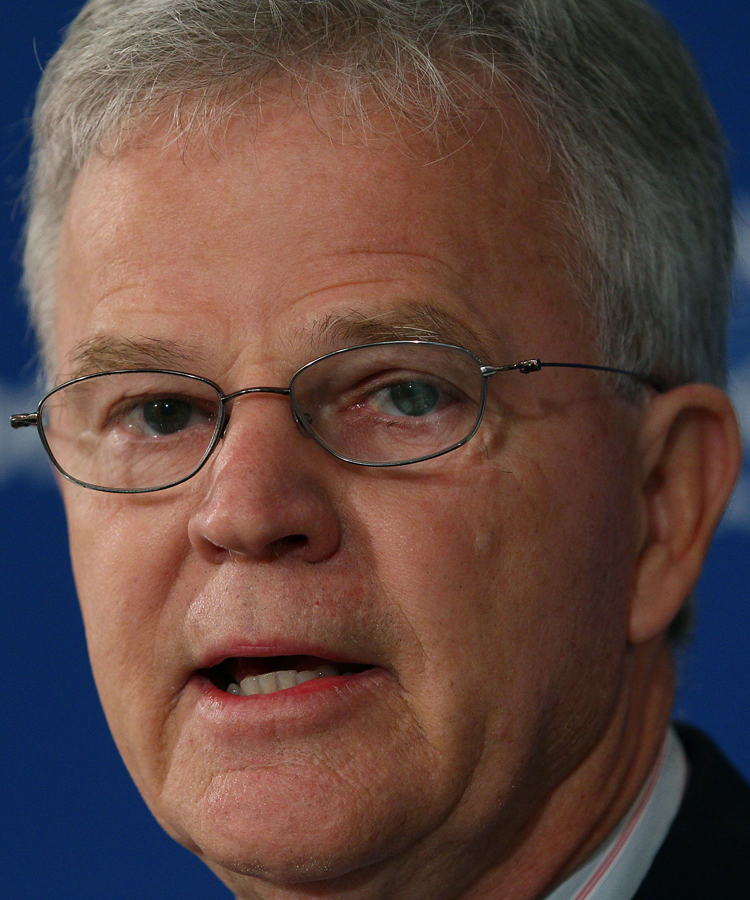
(124, 555)
(126, 558)
(512, 576)
(487, 542)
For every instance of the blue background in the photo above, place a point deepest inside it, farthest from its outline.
(71, 823)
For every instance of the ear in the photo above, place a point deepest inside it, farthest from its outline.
(690, 452)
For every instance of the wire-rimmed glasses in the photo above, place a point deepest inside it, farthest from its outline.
(393, 403)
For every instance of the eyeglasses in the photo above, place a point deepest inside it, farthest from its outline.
(387, 404)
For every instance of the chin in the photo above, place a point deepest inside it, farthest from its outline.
(284, 858)
(243, 829)
(284, 869)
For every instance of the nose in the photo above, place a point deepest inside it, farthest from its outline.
(266, 492)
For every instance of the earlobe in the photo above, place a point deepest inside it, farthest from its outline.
(690, 452)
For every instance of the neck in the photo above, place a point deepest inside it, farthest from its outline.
(587, 806)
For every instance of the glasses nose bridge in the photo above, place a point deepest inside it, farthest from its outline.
(244, 392)
(226, 398)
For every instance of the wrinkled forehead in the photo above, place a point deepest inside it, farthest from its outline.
(279, 179)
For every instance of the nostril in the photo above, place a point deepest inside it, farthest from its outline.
(287, 543)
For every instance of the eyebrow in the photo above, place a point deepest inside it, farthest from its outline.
(413, 321)
(419, 321)
(103, 353)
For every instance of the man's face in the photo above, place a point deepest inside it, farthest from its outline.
(484, 592)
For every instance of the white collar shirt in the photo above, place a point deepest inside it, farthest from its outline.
(617, 869)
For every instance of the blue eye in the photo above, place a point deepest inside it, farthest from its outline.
(411, 398)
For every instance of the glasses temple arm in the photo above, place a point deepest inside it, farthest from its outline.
(23, 420)
(526, 366)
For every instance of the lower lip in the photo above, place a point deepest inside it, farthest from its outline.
(312, 705)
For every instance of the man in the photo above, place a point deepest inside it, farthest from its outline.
(386, 340)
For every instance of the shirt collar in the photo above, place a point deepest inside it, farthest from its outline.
(616, 870)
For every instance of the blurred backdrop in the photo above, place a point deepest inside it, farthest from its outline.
(71, 823)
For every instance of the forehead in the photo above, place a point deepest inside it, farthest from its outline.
(283, 221)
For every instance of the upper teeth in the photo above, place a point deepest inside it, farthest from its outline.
(278, 681)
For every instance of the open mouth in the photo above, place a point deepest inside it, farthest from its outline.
(246, 676)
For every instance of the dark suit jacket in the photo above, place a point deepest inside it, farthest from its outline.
(706, 854)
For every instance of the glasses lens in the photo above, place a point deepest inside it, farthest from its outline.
(131, 431)
(391, 403)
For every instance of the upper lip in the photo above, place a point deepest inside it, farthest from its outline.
(217, 654)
